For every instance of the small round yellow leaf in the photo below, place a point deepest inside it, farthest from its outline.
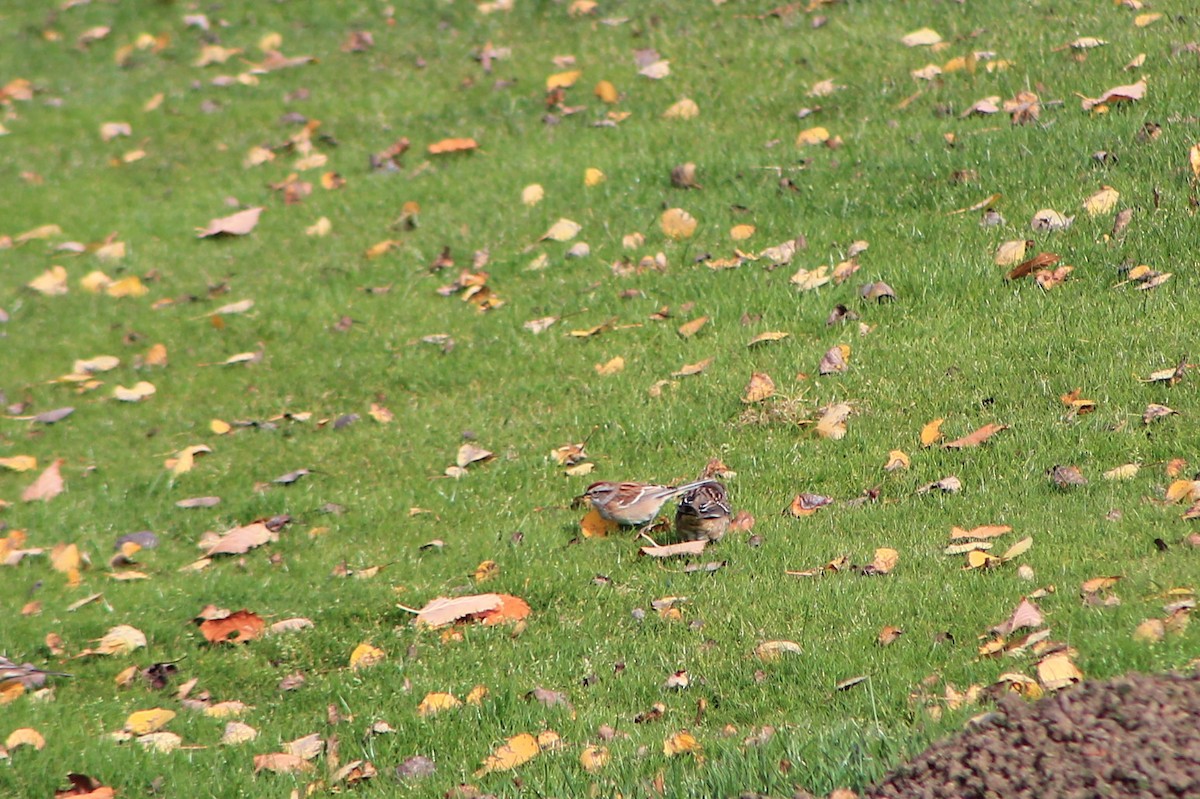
(677, 223)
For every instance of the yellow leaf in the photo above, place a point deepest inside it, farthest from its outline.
(475, 697)
(684, 109)
(1194, 159)
(593, 176)
(931, 432)
(769, 651)
(594, 758)
(612, 367)
(693, 368)
(897, 459)
(319, 228)
(436, 702)
(137, 393)
(562, 80)
(593, 525)
(1010, 253)
(977, 559)
(562, 230)
(1151, 631)
(885, 560)
(1142, 20)
(65, 558)
(131, 286)
(923, 37)
(121, 640)
(25, 736)
(486, 571)
(606, 92)
(1057, 671)
(52, 282)
(1102, 201)
(832, 424)
(19, 463)
(365, 656)
(517, 750)
(270, 41)
(1125, 472)
(156, 355)
(95, 282)
(1019, 548)
(762, 338)
(679, 743)
(809, 279)
(677, 223)
(759, 388)
(532, 194)
(741, 232)
(817, 135)
(147, 721)
(40, 232)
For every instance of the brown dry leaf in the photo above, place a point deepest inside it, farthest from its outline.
(240, 540)
(769, 651)
(677, 224)
(807, 280)
(1042, 260)
(931, 432)
(237, 732)
(897, 460)
(1155, 411)
(807, 504)
(889, 635)
(656, 70)
(982, 531)
(436, 702)
(835, 360)
(238, 224)
(236, 628)
(832, 423)
(1098, 584)
(763, 338)
(1025, 615)
(1067, 476)
(675, 550)
(680, 743)
(143, 722)
(760, 387)
(885, 560)
(85, 787)
(693, 368)
(282, 763)
(452, 146)
(977, 437)
(511, 610)
(364, 656)
(1117, 94)
(469, 453)
(1057, 671)
(47, 486)
(442, 611)
(515, 751)
(689, 329)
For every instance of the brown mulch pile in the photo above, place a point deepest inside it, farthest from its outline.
(1135, 736)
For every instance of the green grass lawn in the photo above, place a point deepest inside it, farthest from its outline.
(336, 333)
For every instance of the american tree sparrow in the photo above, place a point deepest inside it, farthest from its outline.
(633, 504)
(703, 512)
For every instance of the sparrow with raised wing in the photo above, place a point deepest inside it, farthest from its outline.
(634, 504)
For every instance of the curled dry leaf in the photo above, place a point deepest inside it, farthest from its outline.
(832, 424)
(947, 485)
(835, 360)
(689, 329)
(460, 145)
(364, 656)
(282, 763)
(238, 224)
(682, 549)
(769, 651)
(693, 368)
(897, 460)
(807, 504)
(885, 560)
(469, 453)
(240, 540)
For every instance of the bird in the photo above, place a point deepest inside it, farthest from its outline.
(25, 673)
(703, 512)
(634, 504)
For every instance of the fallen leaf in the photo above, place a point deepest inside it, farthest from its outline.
(25, 736)
(238, 224)
(594, 758)
(675, 550)
(143, 722)
(835, 360)
(1018, 549)
(52, 282)
(693, 368)
(237, 628)
(763, 338)
(469, 453)
(452, 146)
(931, 432)
(282, 763)
(683, 109)
(515, 751)
(975, 438)
(680, 743)
(1102, 201)
(120, 640)
(760, 387)
(1127, 93)
(885, 560)
(923, 37)
(832, 424)
(593, 525)
(769, 651)
(237, 732)
(240, 540)
(1067, 476)
(19, 463)
(807, 504)
(562, 230)
(897, 460)
(1150, 631)
(140, 391)
(364, 656)
(47, 486)
(434, 703)
(677, 223)
(689, 329)
(983, 531)
(888, 635)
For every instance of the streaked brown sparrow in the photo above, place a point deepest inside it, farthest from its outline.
(703, 512)
(633, 504)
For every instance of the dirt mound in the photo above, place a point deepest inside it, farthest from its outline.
(1134, 736)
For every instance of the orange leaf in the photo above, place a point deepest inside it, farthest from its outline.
(977, 437)
(593, 525)
(931, 432)
(243, 626)
(983, 531)
(511, 609)
(515, 751)
(452, 146)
